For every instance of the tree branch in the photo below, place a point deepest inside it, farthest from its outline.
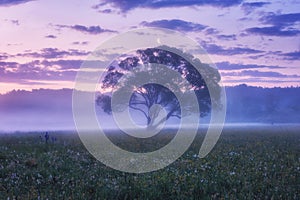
(178, 116)
(139, 110)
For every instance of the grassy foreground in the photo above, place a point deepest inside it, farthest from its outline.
(256, 163)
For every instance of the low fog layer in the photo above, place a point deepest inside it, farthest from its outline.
(52, 109)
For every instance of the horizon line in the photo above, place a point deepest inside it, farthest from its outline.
(228, 86)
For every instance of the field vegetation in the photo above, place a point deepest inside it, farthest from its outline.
(246, 163)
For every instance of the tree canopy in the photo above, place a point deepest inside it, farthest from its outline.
(149, 99)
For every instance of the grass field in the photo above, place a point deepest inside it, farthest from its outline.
(246, 163)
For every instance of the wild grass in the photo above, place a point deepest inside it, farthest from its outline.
(256, 163)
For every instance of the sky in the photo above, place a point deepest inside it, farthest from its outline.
(43, 43)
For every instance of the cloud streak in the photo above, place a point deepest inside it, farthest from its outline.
(175, 24)
(256, 73)
(281, 25)
(282, 20)
(273, 31)
(93, 30)
(4, 56)
(250, 7)
(226, 37)
(50, 36)
(219, 50)
(38, 70)
(49, 53)
(12, 2)
(291, 55)
(125, 6)
(230, 66)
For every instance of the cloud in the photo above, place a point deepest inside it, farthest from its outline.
(175, 24)
(90, 29)
(256, 73)
(94, 30)
(106, 11)
(80, 43)
(279, 25)
(12, 2)
(50, 36)
(255, 4)
(231, 66)
(214, 32)
(4, 56)
(54, 53)
(226, 37)
(14, 44)
(4, 65)
(249, 7)
(282, 20)
(38, 70)
(291, 55)
(13, 21)
(211, 31)
(260, 80)
(273, 31)
(219, 50)
(63, 64)
(127, 5)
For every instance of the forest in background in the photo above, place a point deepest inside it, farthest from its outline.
(44, 107)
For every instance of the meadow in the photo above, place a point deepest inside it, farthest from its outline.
(246, 163)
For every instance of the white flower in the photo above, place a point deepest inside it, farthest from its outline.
(232, 173)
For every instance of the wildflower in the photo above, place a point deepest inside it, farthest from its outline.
(232, 173)
(232, 153)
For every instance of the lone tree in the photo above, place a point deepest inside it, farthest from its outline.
(145, 97)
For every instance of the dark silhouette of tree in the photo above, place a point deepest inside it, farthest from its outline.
(104, 101)
(144, 98)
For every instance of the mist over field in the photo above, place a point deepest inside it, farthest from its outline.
(165, 63)
(47, 109)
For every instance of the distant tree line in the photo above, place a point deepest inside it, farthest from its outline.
(244, 104)
(267, 105)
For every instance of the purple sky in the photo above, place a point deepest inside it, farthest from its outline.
(43, 43)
